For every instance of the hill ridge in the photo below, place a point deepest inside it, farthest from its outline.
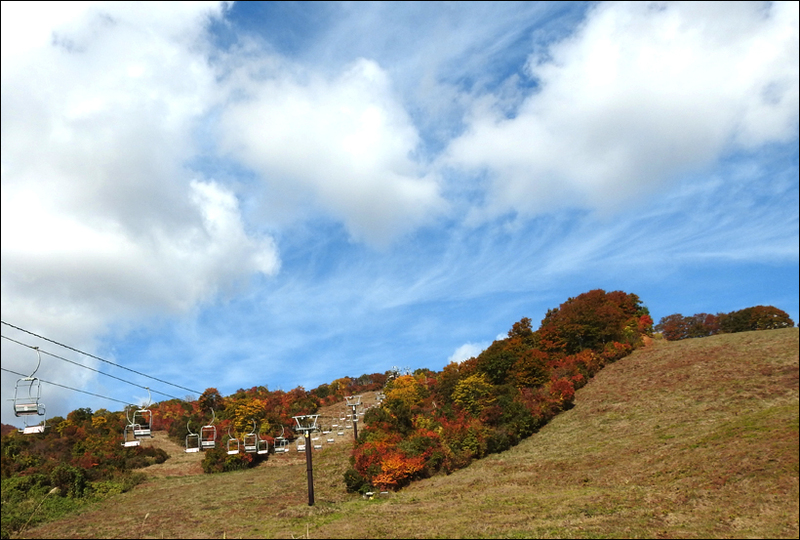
(696, 438)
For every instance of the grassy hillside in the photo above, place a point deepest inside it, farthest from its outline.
(697, 438)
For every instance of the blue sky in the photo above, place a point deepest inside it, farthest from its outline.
(282, 194)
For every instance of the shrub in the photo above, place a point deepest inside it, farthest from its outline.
(354, 482)
(217, 460)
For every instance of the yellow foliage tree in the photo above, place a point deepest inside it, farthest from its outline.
(405, 389)
(473, 393)
(245, 413)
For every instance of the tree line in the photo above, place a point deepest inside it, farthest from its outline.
(676, 326)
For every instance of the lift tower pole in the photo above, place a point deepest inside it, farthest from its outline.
(307, 424)
(353, 402)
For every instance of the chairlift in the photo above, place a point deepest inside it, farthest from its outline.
(38, 428)
(208, 434)
(233, 444)
(146, 418)
(250, 441)
(262, 446)
(281, 442)
(129, 438)
(29, 405)
(301, 445)
(192, 441)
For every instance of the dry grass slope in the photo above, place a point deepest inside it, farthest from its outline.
(695, 439)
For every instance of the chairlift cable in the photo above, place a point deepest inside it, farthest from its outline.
(101, 359)
(69, 387)
(89, 368)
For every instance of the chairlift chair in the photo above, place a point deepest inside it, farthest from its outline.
(262, 446)
(250, 441)
(208, 434)
(143, 426)
(192, 441)
(233, 444)
(281, 442)
(145, 419)
(28, 430)
(29, 405)
(129, 438)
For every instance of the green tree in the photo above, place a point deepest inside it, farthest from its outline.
(474, 393)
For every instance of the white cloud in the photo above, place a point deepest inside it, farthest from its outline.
(467, 351)
(342, 144)
(101, 220)
(640, 93)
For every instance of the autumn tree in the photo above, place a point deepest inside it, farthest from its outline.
(590, 321)
(530, 368)
(755, 318)
(474, 393)
(210, 399)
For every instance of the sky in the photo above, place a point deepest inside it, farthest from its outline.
(229, 195)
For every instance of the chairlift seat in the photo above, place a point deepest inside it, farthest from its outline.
(192, 443)
(26, 408)
(250, 443)
(208, 437)
(280, 445)
(331, 440)
(233, 446)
